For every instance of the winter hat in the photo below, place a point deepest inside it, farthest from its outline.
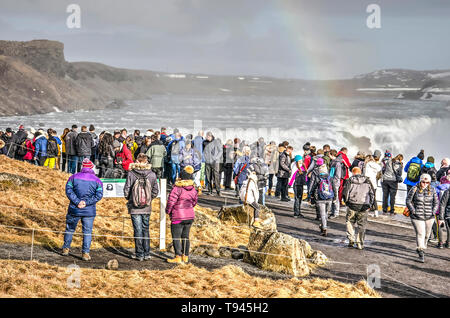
(306, 146)
(116, 144)
(320, 161)
(298, 158)
(21, 127)
(388, 154)
(425, 177)
(87, 164)
(8, 130)
(421, 155)
(430, 159)
(148, 134)
(187, 173)
(91, 128)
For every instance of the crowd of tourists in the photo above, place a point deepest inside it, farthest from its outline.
(203, 164)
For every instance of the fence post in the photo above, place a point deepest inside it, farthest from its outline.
(32, 244)
(162, 215)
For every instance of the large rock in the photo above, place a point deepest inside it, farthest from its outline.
(277, 252)
(243, 214)
(9, 181)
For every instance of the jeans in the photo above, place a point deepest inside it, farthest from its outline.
(64, 165)
(360, 218)
(87, 223)
(423, 232)
(228, 175)
(389, 191)
(73, 160)
(323, 207)
(141, 227)
(298, 195)
(180, 237)
(175, 171)
(336, 204)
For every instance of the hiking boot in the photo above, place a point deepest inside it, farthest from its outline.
(421, 256)
(440, 245)
(301, 215)
(185, 259)
(65, 252)
(146, 258)
(324, 232)
(86, 257)
(351, 244)
(138, 258)
(433, 240)
(176, 260)
(296, 216)
(446, 245)
(285, 199)
(360, 246)
(219, 194)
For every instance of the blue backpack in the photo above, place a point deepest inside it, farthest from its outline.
(325, 191)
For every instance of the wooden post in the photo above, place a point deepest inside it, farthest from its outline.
(162, 215)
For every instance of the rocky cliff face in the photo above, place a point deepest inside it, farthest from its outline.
(43, 55)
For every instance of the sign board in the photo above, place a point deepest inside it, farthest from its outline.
(113, 188)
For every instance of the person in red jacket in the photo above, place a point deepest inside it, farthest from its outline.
(343, 155)
(30, 149)
(180, 207)
(123, 155)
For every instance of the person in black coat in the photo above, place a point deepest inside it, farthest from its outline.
(284, 172)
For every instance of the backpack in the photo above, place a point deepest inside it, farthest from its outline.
(325, 190)
(22, 149)
(413, 173)
(141, 192)
(52, 148)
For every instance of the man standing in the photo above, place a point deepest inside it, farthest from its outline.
(84, 144)
(7, 138)
(18, 139)
(156, 153)
(213, 153)
(71, 149)
(284, 172)
(83, 190)
(358, 195)
(140, 189)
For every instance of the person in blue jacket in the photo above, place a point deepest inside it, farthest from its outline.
(413, 170)
(84, 190)
(40, 153)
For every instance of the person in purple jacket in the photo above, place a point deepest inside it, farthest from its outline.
(84, 190)
(180, 207)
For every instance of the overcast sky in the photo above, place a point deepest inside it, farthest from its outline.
(314, 39)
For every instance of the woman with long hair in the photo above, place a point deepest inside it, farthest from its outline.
(106, 154)
(63, 149)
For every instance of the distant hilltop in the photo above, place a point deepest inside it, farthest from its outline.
(35, 78)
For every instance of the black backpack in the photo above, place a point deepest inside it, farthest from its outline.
(22, 149)
(52, 148)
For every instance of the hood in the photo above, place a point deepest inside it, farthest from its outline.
(359, 179)
(39, 137)
(416, 160)
(140, 166)
(429, 165)
(187, 184)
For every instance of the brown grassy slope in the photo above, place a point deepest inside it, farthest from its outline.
(50, 195)
(33, 279)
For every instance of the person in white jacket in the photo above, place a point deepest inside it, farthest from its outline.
(249, 194)
(371, 170)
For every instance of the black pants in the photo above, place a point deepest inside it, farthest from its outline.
(64, 166)
(158, 172)
(180, 237)
(41, 161)
(389, 191)
(437, 232)
(270, 182)
(298, 194)
(283, 187)
(212, 174)
(278, 187)
(228, 174)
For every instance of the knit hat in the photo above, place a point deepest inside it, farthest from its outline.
(320, 161)
(87, 164)
(148, 134)
(430, 159)
(21, 127)
(298, 158)
(187, 173)
(425, 177)
(8, 130)
(306, 146)
(421, 155)
(116, 144)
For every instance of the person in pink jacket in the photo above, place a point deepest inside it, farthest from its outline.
(30, 148)
(180, 208)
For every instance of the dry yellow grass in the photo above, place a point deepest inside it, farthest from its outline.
(34, 279)
(112, 216)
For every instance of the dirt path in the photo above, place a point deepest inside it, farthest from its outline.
(390, 244)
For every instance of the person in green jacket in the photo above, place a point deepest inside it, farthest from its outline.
(156, 154)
